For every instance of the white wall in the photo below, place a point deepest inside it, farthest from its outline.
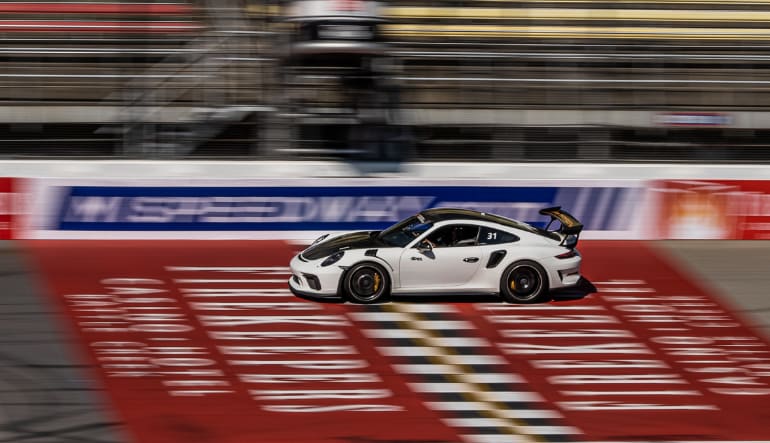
(438, 170)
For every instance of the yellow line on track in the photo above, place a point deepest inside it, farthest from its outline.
(513, 426)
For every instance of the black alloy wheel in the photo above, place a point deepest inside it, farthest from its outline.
(524, 282)
(366, 283)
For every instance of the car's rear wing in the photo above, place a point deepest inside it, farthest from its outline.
(570, 226)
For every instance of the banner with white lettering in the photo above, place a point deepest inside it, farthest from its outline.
(712, 209)
(259, 208)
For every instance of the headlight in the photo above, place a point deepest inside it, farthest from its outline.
(332, 259)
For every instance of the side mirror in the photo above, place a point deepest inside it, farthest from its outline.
(424, 246)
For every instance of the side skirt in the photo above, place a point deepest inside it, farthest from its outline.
(444, 293)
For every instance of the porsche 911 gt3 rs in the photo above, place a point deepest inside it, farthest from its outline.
(444, 251)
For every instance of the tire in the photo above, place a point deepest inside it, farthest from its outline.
(366, 283)
(524, 282)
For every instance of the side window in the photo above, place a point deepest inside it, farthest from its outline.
(454, 235)
(491, 236)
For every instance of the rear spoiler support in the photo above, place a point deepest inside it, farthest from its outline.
(570, 226)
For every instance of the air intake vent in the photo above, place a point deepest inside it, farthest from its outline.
(495, 258)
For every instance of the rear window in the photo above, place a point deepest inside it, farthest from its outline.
(490, 236)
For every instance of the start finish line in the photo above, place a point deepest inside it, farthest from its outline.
(203, 338)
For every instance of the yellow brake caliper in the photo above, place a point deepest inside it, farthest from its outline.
(513, 283)
(376, 281)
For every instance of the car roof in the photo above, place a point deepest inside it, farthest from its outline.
(451, 214)
(444, 214)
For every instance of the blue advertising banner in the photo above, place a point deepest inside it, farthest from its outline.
(320, 208)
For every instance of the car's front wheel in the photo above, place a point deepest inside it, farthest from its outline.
(524, 282)
(366, 283)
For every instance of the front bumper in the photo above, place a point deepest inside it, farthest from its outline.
(309, 278)
(309, 294)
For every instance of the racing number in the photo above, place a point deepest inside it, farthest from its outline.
(491, 236)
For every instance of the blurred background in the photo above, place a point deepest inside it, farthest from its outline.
(486, 80)
(381, 84)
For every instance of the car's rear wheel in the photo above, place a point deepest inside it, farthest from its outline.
(366, 283)
(524, 282)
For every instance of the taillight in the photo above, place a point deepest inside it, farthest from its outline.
(569, 254)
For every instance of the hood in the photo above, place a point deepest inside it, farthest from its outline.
(353, 240)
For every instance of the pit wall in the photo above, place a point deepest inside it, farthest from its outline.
(612, 202)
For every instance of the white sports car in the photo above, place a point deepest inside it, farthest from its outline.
(444, 251)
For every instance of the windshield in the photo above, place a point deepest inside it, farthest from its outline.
(403, 232)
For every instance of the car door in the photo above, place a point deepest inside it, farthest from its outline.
(452, 262)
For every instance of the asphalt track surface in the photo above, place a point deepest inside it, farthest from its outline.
(47, 393)
(736, 270)
(671, 344)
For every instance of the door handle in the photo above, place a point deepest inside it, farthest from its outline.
(417, 258)
(471, 259)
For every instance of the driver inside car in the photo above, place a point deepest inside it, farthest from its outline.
(446, 236)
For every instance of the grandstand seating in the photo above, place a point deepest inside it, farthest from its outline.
(102, 18)
(585, 54)
(600, 67)
(495, 71)
(83, 51)
(579, 54)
